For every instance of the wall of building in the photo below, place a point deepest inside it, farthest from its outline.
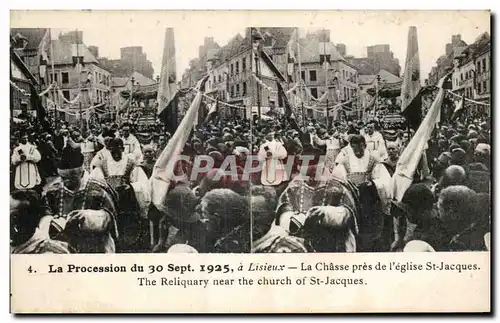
(483, 76)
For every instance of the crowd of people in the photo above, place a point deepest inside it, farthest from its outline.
(298, 188)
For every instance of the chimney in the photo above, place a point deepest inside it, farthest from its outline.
(208, 40)
(455, 39)
(94, 50)
(342, 49)
(449, 48)
(72, 37)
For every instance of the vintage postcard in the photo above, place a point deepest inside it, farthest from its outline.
(171, 155)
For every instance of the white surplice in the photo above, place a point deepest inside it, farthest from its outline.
(138, 179)
(273, 170)
(378, 174)
(376, 142)
(132, 146)
(27, 175)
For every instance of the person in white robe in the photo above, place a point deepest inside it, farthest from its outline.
(271, 153)
(364, 168)
(375, 141)
(130, 143)
(25, 157)
(333, 146)
(89, 148)
(121, 172)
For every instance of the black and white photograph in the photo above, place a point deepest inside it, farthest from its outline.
(349, 137)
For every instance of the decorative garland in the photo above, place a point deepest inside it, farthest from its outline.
(467, 99)
(24, 92)
(309, 94)
(74, 101)
(264, 85)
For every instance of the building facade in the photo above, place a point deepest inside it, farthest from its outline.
(231, 69)
(378, 57)
(471, 76)
(89, 81)
(337, 78)
(482, 63)
(446, 63)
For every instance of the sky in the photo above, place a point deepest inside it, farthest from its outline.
(111, 30)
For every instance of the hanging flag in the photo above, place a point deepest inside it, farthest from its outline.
(41, 114)
(88, 81)
(291, 54)
(168, 78)
(288, 108)
(43, 56)
(410, 158)
(458, 108)
(213, 112)
(78, 50)
(411, 101)
(163, 171)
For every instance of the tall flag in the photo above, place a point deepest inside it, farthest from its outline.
(410, 158)
(459, 105)
(43, 50)
(168, 79)
(291, 54)
(411, 101)
(163, 171)
(78, 50)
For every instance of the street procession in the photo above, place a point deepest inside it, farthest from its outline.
(275, 140)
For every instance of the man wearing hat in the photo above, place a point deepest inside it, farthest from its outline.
(78, 209)
(25, 158)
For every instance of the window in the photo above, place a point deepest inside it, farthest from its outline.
(485, 87)
(461, 76)
(237, 90)
(479, 66)
(215, 79)
(244, 64)
(314, 92)
(484, 65)
(232, 91)
(244, 88)
(232, 69)
(303, 75)
(53, 77)
(66, 94)
(312, 76)
(479, 87)
(65, 77)
(237, 67)
(220, 78)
